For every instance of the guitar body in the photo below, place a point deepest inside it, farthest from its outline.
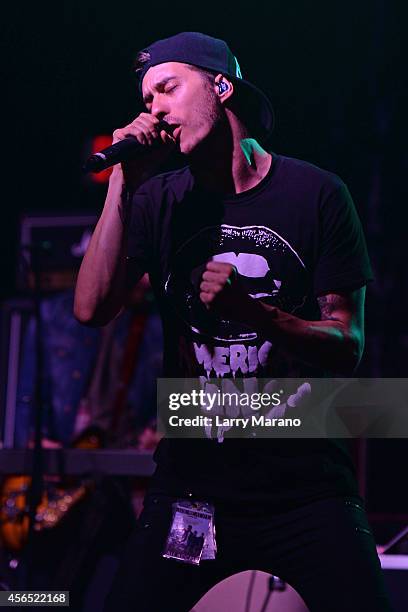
(56, 499)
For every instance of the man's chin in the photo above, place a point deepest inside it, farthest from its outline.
(187, 150)
(192, 148)
(186, 147)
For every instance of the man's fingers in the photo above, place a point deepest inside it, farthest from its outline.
(218, 266)
(211, 287)
(166, 138)
(221, 267)
(219, 277)
(145, 128)
(205, 297)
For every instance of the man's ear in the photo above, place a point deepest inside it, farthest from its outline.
(224, 88)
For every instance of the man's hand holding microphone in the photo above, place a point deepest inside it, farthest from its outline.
(138, 149)
(103, 281)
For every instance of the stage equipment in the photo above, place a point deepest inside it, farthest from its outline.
(59, 242)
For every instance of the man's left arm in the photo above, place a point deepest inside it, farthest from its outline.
(334, 343)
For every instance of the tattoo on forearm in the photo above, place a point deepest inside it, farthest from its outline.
(328, 304)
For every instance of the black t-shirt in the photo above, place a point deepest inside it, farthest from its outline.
(292, 237)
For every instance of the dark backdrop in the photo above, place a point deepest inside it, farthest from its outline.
(335, 71)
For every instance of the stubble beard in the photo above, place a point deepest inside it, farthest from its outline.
(211, 121)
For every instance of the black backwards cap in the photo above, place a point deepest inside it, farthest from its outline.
(214, 54)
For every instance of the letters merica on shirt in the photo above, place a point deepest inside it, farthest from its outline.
(292, 237)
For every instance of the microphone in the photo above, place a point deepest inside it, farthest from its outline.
(128, 148)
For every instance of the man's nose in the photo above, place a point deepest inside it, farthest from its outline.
(159, 107)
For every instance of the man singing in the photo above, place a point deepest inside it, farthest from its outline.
(259, 266)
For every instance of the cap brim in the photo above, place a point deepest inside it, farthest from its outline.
(257, 109)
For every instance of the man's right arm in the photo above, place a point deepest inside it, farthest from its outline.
(100, 291)
(102, 285)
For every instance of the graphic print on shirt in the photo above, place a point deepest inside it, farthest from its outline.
(269, 269)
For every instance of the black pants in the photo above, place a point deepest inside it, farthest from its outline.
(324, 550)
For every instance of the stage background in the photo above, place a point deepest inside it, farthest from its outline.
(335, 72)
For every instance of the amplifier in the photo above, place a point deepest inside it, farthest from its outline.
(59, 243)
